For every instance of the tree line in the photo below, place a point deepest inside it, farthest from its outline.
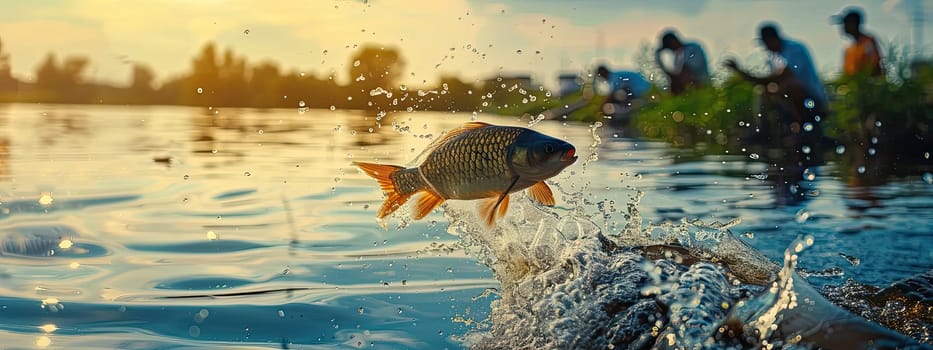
(226, 79)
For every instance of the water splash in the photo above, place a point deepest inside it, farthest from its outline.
(567, 282)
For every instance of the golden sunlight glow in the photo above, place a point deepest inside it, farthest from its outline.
(65, 244)
(43, 341)
(48, 328)
(211, 235)
(74, 265)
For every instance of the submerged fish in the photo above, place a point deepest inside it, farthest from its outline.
(476, 161)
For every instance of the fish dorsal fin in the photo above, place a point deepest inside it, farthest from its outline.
(449, 135)
(541, 193)
(493, 208)
(427, 201)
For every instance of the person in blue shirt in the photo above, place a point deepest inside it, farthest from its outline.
(690, 68)
(623, 85)
(793, 85)
(626, 89)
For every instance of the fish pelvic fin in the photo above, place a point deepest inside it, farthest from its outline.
(427, 201)
(493, 208)
(496, 205)
(382, 173)
(541, 193)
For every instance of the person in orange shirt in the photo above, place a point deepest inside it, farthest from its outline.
(864, 55)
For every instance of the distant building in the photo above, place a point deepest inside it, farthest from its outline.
(569, 84)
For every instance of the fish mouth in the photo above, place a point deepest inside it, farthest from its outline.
(569, 156)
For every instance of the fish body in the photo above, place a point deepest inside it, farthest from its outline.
(476, 161)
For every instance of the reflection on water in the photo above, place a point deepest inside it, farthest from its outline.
(159, 227)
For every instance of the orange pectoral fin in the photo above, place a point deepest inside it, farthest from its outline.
(493, 208)
(542, 194)
(382, 174)
(427, 201)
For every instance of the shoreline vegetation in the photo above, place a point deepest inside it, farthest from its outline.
(877, 123)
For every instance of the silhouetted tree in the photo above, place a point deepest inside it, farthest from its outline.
(265, 85)
(204, 79)
(7, 83)
(141, 82)
(371, 68)
(61, 83)
(232, 88)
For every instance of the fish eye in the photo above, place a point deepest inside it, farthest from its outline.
(549, 148)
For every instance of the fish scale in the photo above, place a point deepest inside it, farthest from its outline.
(480, 154)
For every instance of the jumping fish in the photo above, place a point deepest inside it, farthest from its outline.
(476, 161)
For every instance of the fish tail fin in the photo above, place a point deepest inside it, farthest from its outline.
(382, 173)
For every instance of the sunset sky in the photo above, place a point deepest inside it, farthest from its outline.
(539, 37)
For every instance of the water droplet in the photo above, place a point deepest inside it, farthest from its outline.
(200, 91)
(861, 169)
(809, 175)
(808, 127)
(872, 151)
(805, 149)
(878, 123)
(802, 216)
(211, 236)
(360, 310)
(301, 104)
(186, 177)
(754, 156)
(246, 173)
(809, 103)
(281, 313)
(840, 149)
(246, 31)
(518, 51)
(356, 63)
(874, 140)
(333, 108)
(194, 331)
(260, 131)
(928, 178)
(45, 199)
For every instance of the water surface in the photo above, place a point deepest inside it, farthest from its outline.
(164, 227)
